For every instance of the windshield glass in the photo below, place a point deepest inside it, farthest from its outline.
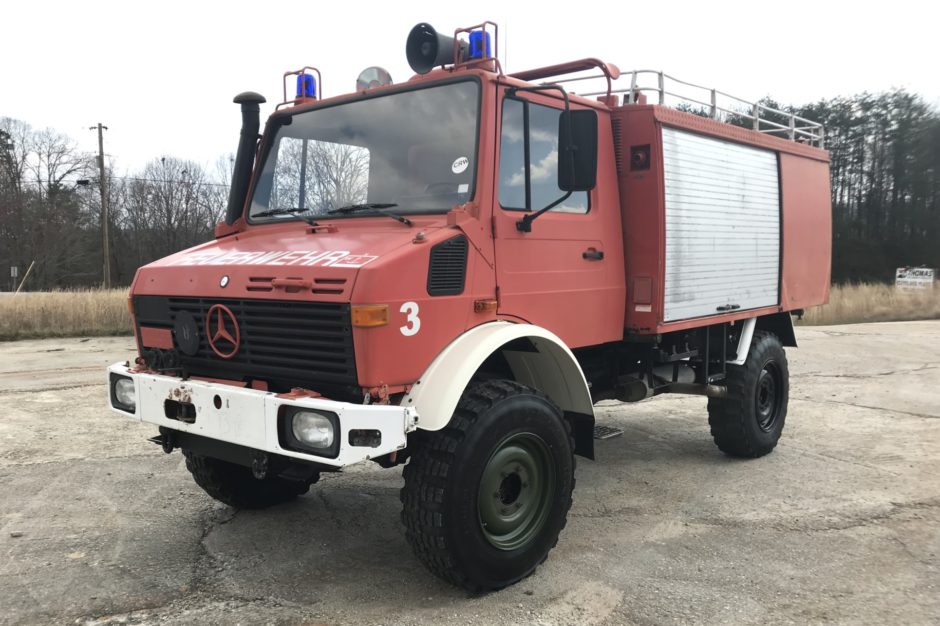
(416, 149)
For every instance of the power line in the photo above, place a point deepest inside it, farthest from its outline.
(130, 178)
(154, 180)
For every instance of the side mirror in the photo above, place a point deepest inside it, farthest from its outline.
(577, 150)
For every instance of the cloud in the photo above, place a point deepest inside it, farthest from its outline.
(546, 169)
(511, 132)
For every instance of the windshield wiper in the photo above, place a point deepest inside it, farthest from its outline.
(298, 212)
(375, 207)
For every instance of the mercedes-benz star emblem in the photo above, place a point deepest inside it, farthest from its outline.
(224, 282)
(222, 331)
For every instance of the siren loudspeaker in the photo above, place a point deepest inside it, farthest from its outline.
(426, 48)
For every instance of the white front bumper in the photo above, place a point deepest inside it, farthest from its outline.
(248, 417)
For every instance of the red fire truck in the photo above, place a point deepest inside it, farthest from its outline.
(448, 273)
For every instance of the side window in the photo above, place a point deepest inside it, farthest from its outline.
(531, 184)
(513, 191)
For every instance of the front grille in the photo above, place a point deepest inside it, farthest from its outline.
(306, 344)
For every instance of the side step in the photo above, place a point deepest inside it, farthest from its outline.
(606, 432)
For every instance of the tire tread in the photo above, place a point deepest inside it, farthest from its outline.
(235, 486)
(727, 417)
(425, 475)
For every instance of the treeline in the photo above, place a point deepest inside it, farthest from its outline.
(885, 166)
(50, 210)
(885, 174)
(885, 163)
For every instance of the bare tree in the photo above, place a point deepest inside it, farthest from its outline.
(168, 206)
(332, 175)
(42, 216)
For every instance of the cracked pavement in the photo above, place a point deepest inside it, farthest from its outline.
(840, 524)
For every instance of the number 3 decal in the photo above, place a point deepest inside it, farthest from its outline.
(410, 309)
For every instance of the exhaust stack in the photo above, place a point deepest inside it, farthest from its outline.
(245, 156)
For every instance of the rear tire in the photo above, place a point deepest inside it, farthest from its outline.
(235, 485)
(486, 497)
(749, 421)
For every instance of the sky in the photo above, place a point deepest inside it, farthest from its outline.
(162, 75)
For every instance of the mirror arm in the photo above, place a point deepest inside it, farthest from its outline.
(524, 225)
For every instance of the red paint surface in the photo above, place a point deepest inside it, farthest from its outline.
(643, 226)
(156, 338)
(807, 233)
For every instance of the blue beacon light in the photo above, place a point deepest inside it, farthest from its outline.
(306, 86)
(479, 45)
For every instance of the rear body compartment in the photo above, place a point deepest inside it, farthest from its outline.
(718, 220)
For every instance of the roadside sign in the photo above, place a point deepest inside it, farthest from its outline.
(14, 271)
(914, 277)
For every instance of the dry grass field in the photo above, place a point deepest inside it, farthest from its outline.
(74, 313)
(104, 312)
(867, 302)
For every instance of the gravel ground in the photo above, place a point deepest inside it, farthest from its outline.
(840, 524)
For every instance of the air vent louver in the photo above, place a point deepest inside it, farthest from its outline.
(616, 125)
(448, 267)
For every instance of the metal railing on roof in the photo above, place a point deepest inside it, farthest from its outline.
(715, 104)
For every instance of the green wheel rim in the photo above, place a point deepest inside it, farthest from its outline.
(516, 491)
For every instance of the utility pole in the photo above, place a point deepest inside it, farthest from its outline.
(102, 184)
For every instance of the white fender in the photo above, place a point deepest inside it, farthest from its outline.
(744, 341)
(553, 370)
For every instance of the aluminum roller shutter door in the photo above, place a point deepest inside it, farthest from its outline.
(722, 226)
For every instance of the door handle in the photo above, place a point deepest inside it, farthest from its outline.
(592, 254)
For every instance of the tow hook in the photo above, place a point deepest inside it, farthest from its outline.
(168, 441)
(259, 464)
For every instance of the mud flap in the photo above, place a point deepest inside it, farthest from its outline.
(582, 429)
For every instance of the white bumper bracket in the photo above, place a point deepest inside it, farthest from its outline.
(249, 417)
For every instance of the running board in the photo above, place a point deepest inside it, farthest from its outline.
(606, 432)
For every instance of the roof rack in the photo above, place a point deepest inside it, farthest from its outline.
(670, 91)
(723, 106)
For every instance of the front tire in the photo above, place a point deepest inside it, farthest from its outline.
(486, 497)
(235, 485)
(749, 421)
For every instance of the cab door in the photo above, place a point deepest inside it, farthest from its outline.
(567, 273)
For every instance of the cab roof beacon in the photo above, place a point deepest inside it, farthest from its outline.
(448, 273)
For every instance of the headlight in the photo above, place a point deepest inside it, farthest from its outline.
(312, 429)
(309, 430)
(123, 394)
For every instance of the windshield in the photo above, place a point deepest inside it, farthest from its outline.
(416, 149)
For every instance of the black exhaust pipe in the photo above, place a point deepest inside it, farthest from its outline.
(245, 157)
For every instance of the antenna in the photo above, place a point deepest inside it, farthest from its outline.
(506, 46)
